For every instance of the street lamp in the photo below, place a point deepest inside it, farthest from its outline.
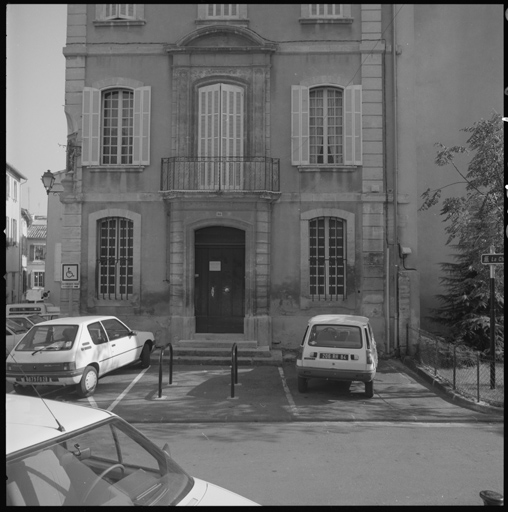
(48, 180)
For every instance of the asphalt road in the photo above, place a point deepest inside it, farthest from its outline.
(342, 463)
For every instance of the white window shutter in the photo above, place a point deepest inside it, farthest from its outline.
(299, 125)
(141, 139)
(353, 125)
(90, 128)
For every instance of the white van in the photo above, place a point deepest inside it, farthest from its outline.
(340, 348)
(44, 309)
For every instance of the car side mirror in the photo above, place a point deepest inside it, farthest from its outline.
(166, 450)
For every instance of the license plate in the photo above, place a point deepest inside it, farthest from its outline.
(38, 378)
(343, 357)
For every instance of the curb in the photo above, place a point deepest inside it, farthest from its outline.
(447, 390)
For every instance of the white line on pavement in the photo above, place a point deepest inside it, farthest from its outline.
(292, 404)
(121, 395)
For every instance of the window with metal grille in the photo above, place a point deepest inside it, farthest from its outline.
(327, 258)
(117, 126)
(115, 258)
(325, 10)
(325, 125)
(223, 11)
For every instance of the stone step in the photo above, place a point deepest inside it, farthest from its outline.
(274, 358)
(223, 343)
(220, 352)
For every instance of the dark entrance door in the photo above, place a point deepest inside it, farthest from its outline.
(219, 280)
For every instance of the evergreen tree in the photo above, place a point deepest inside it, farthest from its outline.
(474, 223)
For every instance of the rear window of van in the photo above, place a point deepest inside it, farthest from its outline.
(335, 336)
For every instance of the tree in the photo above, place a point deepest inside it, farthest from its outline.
(474, 223)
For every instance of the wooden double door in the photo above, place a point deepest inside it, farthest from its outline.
(219, 300)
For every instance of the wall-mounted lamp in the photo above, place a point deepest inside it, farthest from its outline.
(48, 180)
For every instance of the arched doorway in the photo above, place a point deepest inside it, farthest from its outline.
(219, 290)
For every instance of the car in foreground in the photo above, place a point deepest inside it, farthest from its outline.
(13, 334)
(340, 348)
(73, 455)
(76, 351)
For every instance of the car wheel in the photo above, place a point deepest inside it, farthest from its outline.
(369, 389)
(88, 383)
(302, 384)
(145, 356)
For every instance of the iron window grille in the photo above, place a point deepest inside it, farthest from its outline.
(327, 259)
(114, 269)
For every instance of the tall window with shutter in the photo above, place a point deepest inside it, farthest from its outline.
(119, 11)
(221, 135)
(326, 125)
(116, 126)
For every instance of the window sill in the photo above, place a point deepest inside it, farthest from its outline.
(116, 168)
(119, 23)
(327, 167)
(210, 21)
(341, 21)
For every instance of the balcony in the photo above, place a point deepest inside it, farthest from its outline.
(220, 174)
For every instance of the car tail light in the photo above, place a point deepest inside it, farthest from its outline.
(369, 357)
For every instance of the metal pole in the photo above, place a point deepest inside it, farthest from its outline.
(454, 364)
(492, 328)
(478, 375)
(435, 361)
(160, 372)
(170, 364)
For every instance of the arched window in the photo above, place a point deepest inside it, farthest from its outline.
(115, 252)
(327, 258)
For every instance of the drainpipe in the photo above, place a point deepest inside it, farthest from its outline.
(395, 181)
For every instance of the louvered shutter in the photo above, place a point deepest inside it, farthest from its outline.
(353, 125)
(90, 152)
(141, 139)
(299, 125)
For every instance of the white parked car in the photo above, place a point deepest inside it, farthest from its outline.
(76, 351)
(13, 334)
(341, 348)
(63, 454)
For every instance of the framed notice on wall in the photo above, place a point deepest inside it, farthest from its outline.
(214, 266)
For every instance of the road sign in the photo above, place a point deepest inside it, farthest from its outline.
(70, 273)
(74, 286)
(493, 259)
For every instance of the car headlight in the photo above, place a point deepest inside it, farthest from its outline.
(69, 366)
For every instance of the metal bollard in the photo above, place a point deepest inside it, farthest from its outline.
(492, 498)
(170, 364)
(160, 372)
(234, 368)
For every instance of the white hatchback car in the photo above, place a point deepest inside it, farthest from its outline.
(71, 455)
(76, 351)
(340, 348)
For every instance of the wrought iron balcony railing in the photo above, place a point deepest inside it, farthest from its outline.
(227, 174)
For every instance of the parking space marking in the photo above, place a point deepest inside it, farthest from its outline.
(127, 389)
(289, 397)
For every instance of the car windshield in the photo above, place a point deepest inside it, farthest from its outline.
(335, 336)
(16, 327)
(108, 464)
(48, 337)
